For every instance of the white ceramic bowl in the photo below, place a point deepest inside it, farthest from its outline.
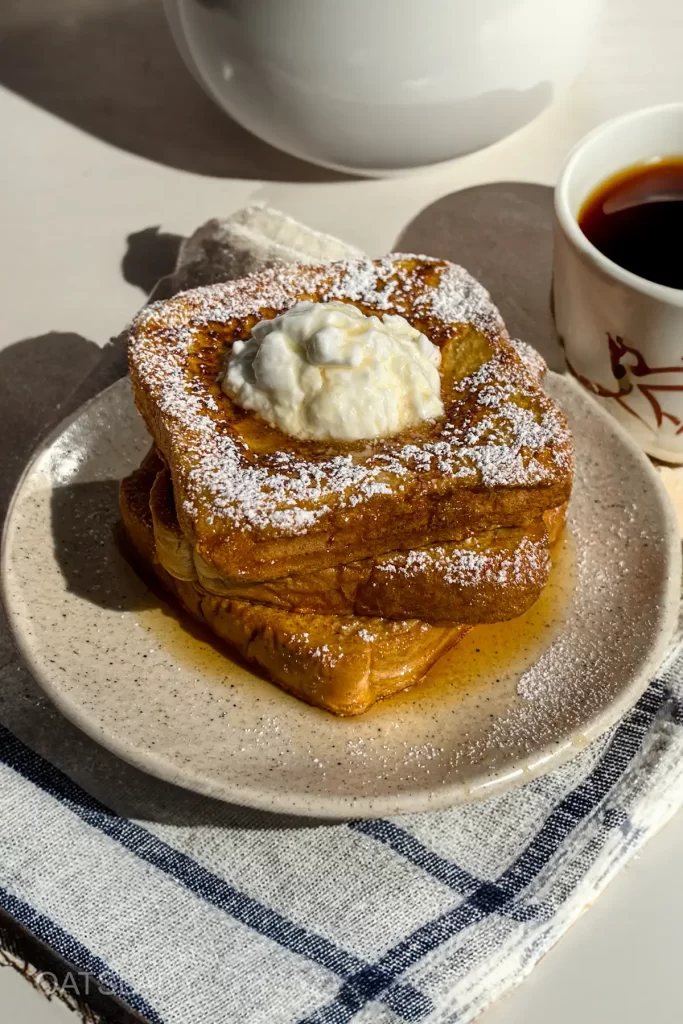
(383, 86)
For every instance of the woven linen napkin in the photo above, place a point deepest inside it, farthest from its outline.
(194, 911)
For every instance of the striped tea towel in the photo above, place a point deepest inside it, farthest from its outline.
(194, 911)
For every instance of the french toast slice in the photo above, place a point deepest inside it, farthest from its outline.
(341, 663)
(490, 577)
(257, 504)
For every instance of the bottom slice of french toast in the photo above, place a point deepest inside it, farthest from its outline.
(341, 663)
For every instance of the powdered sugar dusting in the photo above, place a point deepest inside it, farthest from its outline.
(474, 564)
(500, 429)
(531, 357)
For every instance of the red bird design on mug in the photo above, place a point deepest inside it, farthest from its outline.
(640, 389)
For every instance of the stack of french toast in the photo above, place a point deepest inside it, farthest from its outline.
(343, 569)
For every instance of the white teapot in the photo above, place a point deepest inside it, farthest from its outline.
(382, 86)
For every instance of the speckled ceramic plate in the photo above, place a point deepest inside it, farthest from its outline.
(511, 702)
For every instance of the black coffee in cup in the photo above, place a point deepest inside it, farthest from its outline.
(635, 218)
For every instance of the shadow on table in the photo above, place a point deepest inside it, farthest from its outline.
(150, 255)
(503, 234)
(111, 68)
(36, 377)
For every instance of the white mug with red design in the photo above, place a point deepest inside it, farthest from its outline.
(622, 334)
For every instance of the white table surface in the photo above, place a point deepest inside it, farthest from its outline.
(103, 135)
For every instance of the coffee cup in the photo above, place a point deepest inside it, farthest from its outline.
(622, 333)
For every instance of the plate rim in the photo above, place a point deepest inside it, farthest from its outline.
(306, 803)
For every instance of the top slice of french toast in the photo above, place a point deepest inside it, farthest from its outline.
(257, 504)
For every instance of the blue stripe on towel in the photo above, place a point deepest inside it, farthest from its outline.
(75, 953)
(417, 853)
(493, 897)
(452, 875)
(404, 1000)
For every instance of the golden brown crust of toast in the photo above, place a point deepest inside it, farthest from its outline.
(555, 520)
(343, 664)
(490, 577)
(256, 504)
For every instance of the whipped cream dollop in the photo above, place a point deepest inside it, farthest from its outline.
(324, 370)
